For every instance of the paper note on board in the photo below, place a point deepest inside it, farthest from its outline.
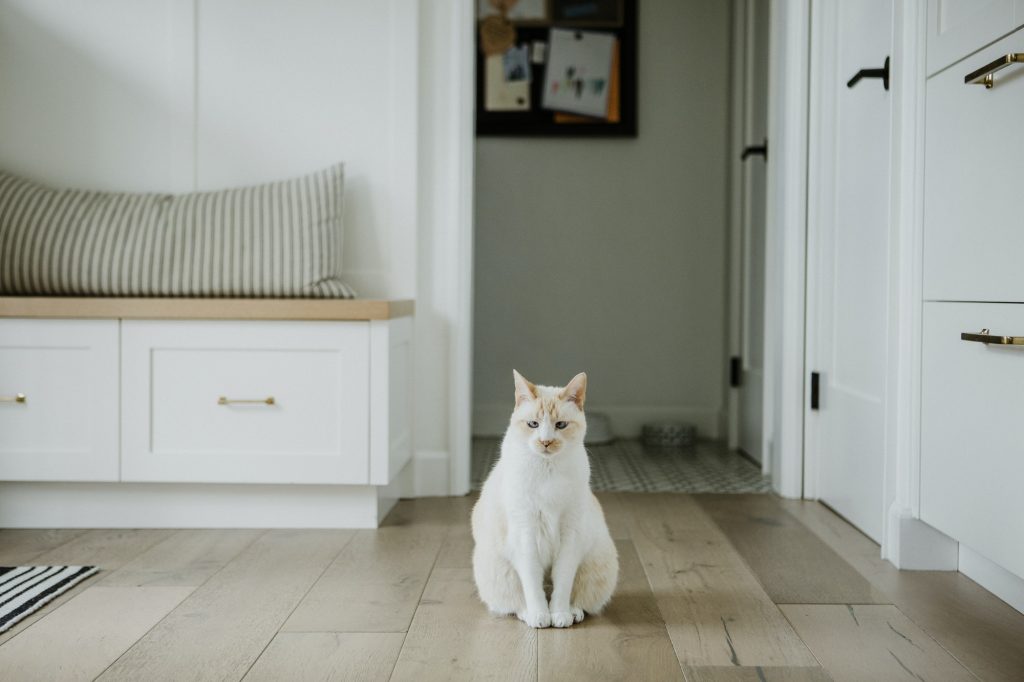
(614, 114)
(500, 93)
(579, 72)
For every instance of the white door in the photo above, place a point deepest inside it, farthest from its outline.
(848, 237)
(750, 236)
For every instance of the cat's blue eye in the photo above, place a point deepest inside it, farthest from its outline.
(561, 425)
(533, 424)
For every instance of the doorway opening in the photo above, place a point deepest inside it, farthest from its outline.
(639, 261)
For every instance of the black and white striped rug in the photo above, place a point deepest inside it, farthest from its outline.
(24, 589)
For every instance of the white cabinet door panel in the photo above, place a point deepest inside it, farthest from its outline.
(304, 418)
(65, 426)
(973, 222)
(956, 28)
(972, 430)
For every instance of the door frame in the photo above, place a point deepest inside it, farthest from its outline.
(737, 189)
(785, 245)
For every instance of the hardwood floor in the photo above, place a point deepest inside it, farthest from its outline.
(715, 587)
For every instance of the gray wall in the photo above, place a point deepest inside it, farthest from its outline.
(609, 256)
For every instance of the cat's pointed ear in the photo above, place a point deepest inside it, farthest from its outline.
(524, 389)
(576, 390)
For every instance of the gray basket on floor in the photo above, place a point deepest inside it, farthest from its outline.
(599, 429)
(669, 435)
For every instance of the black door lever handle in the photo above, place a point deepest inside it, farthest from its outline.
(750, 150)
(882, 73)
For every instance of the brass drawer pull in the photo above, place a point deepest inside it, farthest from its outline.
(262, 401)
(985, 337)
(985, 75)
(19, 398)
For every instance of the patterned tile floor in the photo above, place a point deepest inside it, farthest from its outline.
(626, 465)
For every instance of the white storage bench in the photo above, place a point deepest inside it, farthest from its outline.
(143, 412)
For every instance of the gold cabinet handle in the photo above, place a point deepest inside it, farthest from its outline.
(984, 336)
(261, 401)
(19, 398)
(985, 75)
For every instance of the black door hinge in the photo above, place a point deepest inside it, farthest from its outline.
(735, 372)
(815, 390)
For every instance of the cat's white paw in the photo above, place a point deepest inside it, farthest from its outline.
(577, 614)
(535, 619)
(563, 619)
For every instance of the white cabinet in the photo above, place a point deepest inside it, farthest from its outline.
(972, 429)
(972, 457)
(973, 222)
(58, 400)
(957, 28)
(245, 402)
(222, 413)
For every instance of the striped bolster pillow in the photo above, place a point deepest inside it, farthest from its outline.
(278, 240)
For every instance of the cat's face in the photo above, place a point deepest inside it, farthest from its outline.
(549, 418)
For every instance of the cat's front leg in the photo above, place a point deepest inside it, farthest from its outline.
(531, 574)
(563, 574)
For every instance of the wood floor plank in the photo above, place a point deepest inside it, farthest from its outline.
(106, 549)
(453, 637)
(755, 674)
(615, 515)
(189, 557)
(20, 546)
(78, 640)
(375, 583)
(793, 565)
(872, 642)
(714, 608)
(627, 641)
(219, 631)
(978, 628)
(328, 656)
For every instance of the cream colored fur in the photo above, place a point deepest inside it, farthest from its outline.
(537, 518)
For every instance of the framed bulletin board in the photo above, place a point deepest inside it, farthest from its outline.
(556, 68)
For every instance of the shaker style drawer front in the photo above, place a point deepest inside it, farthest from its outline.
(58, 400)
(973, 221)
(246, 402)
(958, 28)
(972, 427)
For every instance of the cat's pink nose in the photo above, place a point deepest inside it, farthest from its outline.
(546, 443)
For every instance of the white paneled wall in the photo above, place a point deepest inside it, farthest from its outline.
(174, 95)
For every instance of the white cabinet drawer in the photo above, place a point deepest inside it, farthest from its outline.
(183, 422)
(65, 426)
(972, 430)
(973, 220)
(957, 28)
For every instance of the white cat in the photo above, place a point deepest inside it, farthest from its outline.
(537, 518)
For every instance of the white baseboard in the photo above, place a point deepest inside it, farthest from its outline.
(911, 544)
(993, 577)
(431, 474)
(188, 505)
(627, 420)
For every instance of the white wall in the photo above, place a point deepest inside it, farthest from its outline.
(176, 95)
(609, 256)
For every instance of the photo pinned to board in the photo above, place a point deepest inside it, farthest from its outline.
(507, 78)
(579, 72)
